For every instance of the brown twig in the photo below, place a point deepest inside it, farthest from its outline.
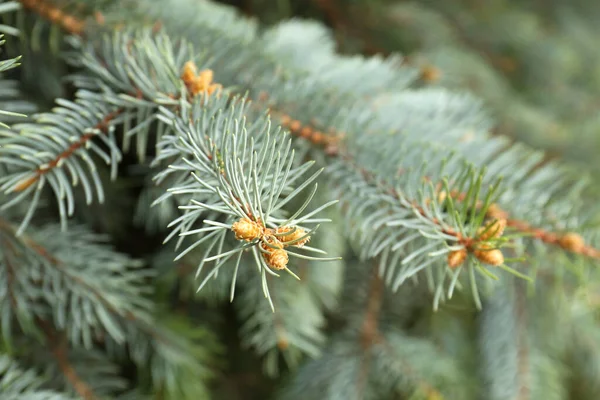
(369, 331)
(58, 347)
(143, 325)
(56, 15)
(370, 335)
(102, 126)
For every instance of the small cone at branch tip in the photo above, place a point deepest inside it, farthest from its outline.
(456, 258)
(189, 72)
(572, 241)
(99, 17)
(198, 82)
(297, 234)
(282, 343)
(55, 15)
(494, 229)
(205, 76)
(488, 255)
(275, 258)
(430, 73)
(246, 229)
(495, 212)
(433, 394)
(442, 196)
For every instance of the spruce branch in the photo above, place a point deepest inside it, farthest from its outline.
(547, 238)
(56, 150)
(241, 171)
(83, 280)
(334, 146)
(291, 332)
(58, 346)
(18, 384)
(329, 117)
(94, 296)
(10, 63)
(369, 331)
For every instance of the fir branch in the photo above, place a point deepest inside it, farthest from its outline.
(240, 171)
(371, 336)
(334, 147)
(43, 153)
(315, 136)
(102, 282)
(19, 384)
(58, 347)
(101, 126)
(121, 308)
(500, 341)
(291, 332)
(369, 331)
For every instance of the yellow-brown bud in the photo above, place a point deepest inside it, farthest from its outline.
(494, 229)
(189, 72)
(246, 229)
(430, 73)
(295, 235)
(456, 258)
(282, 343)
(495, 212)
(572, 241)
(205, 77)
(442, 196)
(275, 258)
(488, 255)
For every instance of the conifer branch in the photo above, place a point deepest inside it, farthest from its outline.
(101, 126)
(18, 384)
(568, 241)
(141, 323)
(331, 144)
(370, 335)
(369, 331)
(58, 347)
(123, 312)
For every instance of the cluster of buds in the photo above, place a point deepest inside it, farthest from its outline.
(271, 241)
(484, 252)
(198, 82)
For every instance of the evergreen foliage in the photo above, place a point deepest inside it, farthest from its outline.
(377, 235)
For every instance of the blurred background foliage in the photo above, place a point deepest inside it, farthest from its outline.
(535, 63)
